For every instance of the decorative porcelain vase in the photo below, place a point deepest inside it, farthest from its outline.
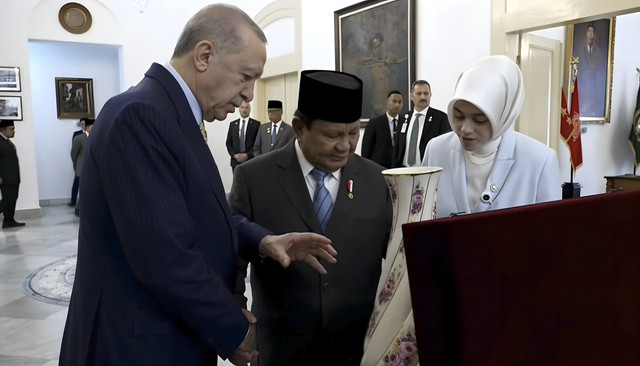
(390, 338)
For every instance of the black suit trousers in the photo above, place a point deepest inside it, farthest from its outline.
(8, 202)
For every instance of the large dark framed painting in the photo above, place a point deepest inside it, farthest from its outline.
(592, 44)
(74, 98)
(375, 41)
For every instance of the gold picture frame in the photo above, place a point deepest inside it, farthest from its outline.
(595, 67)
(375, 40)
(74, 98)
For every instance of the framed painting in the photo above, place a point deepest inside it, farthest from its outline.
(9, 79)
(375, 41)
(591, 45)
(11, 108)
(74, 98)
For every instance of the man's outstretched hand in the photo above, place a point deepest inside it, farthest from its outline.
(308, 247)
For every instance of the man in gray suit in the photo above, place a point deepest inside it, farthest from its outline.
(78, 146)
(275, 134)
(316, 183)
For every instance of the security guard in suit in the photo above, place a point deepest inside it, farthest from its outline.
(9, 174)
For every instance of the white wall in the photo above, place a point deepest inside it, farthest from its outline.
(605, 147)
(449, 36)
(43, 141)
(52, 136)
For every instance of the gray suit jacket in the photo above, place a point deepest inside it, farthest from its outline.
(77, 152)
(271, 191)
(263, 141)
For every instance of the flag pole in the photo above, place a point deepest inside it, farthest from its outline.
(574, 75)
(571, 189)
(571, 175)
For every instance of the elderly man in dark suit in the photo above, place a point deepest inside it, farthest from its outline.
(420, 125)
(157, 244)
(9, 175)
(241, 136)
(274, 134)
(379, 135)
(317, 183)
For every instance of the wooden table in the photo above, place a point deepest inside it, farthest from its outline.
(620, 182)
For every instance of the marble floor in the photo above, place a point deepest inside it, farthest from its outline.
(31, 330)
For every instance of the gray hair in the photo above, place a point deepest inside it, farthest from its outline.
(217, 23)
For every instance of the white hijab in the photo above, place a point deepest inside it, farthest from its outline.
(494, 85)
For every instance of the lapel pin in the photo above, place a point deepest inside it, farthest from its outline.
(350, 188)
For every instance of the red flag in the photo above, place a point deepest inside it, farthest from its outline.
(570, 127)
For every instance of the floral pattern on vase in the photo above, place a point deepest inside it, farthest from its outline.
(388, 290)
(417, 199)
(404, 352)
(390, 338)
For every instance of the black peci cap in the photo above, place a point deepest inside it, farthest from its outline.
(332, 96)
(274, 104)
(6, 123)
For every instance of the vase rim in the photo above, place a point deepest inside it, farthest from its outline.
(414, 170)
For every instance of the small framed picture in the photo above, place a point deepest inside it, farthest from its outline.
(9, 78)
(11, 108)
(74, 98)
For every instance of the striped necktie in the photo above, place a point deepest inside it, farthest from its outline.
(322, 201)
(203, 131)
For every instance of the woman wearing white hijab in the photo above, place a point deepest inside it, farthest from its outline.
(487, 165)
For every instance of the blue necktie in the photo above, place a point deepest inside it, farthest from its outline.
(413, 140)
(274, 130)
(322, 202)
(242, 146)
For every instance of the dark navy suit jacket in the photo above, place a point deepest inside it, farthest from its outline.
(376, 142)
(157, 244)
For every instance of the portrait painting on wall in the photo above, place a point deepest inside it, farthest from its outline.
(74, 98)
(591, 44)
(375, 41)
